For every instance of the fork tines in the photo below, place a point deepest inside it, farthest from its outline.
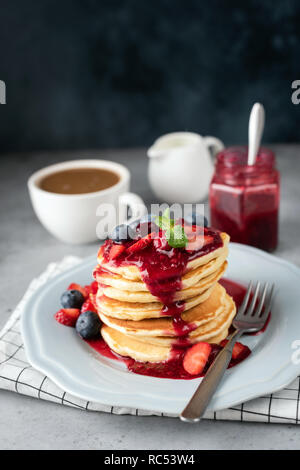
(262, 310)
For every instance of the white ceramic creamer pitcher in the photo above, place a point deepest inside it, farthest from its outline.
(181, 167)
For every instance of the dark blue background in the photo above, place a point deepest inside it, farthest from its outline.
(87, 74)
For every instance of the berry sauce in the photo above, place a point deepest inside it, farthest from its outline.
(147, 262)
(259, 229)
(237, 292)
(162, 267)
(244, 199)
(173, 368)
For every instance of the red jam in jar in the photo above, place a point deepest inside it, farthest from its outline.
(244, 200)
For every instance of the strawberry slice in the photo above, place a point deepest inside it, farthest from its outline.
(78, 287)
(100, 251)
(240, 351)
(67, 316)
(198, 242)
(88, 305)
(92, 288)
(191, 230)
(115, 251)
(141, 244)
(196, 357)
(208, 239)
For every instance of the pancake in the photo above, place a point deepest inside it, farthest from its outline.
(133, 273)
(183, 294)
(134, 320)
(137, 311)
(189, 279)
(204, 312)
(215, 327)
(128, 346)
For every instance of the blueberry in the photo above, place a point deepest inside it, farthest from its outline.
(196, 218)
(72, 299)
(122, 233)
(88, 325)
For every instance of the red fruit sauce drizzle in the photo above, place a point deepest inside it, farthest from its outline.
(237, 292)
(173, 368)
(161, 269)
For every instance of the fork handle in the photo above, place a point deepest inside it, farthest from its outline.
(197, 405)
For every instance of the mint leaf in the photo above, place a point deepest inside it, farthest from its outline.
(166, 213)
(164, 221)
(177, 237)
(174, 233)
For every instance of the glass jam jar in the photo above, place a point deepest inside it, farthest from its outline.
(244, 200)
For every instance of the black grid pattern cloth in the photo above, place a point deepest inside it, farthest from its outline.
(17, 375)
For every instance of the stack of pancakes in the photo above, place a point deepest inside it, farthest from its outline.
(135, 323)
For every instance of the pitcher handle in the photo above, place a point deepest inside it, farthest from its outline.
(216, 144)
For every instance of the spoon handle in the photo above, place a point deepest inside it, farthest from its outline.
(255, 130)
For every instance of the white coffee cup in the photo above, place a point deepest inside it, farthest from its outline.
(74, 218)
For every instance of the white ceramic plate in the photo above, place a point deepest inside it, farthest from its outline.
(59, 353)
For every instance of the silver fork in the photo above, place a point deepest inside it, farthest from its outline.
(247, 320)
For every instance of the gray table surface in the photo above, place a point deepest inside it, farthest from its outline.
(26, 248)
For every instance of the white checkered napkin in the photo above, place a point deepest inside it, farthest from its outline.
(17, 375)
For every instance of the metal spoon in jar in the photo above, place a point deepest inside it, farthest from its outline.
(255, 130)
